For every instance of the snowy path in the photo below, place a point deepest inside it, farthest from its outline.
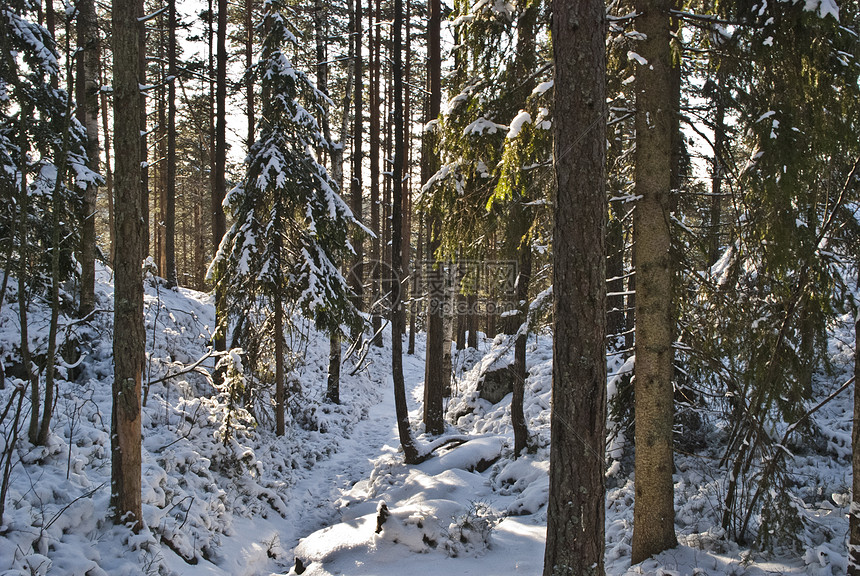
(313, 499)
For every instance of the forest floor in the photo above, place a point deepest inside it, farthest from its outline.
(310, 502)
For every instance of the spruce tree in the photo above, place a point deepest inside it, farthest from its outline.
(290, 224)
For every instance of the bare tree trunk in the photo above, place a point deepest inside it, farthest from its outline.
(170, 192)
(144, 167)
(374, 105)
(280, 393)
(219, 177)
(128, 346)
(108, 178)
(58, 207)
(87, 95)
(23, 275)
(575, 511)
(410, 452)
(249, 62)
(356, 277)
(854, 513)
(434, 373)
(654, 514)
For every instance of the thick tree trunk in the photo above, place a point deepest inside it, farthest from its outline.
(87, 95)
(575, 511)
(654, 515)
(410, 452)
(433, 375)
(128, 345)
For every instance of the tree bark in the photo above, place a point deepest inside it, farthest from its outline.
(654, 515)
(854, 513)
(356, 277)
(128, 345)
(433, 375)
(87, 95)
(374, 105)
(170, 192)
(144, 147)
(576, 507)
(404, 429)
(219, 176)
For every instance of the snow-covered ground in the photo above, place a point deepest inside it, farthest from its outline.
(333, 496)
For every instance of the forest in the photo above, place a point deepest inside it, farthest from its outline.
(477, 286)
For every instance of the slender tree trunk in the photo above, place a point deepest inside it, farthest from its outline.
(219, 177)
(58, 208)
(356, 277)
(334, 359)
(406, 228)
(397, 318)
(518, 419)
(280, 388)
(249, 62)
(654, 514)
(108, 178)
(575, 510)
(854, 513)
(717, 170)
(374, 104)
(87, 95)
(433, 375)
(170, 193)
(23, 275)
(144, 147)
(128, 346)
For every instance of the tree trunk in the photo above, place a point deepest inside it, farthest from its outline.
(87, 95)
(410, 452)
(24, 274)
(128, 344)
(170, 192)
(356, 277)
(854, 514)
(374, 106)
(334, 359)
(249, 62)
(108, 177)
(518, 419)
(575, 511)
(280, 388)
(654, 515)
(219, 176)
(144, 147)
(433, 375)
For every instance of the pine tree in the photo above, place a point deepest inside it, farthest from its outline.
(290, 224)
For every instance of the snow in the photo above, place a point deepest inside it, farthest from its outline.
(334, 492)
(517, 124)
(631, 55)
(543, 87)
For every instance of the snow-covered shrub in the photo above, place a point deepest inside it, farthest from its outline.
(230, 394)
(471, 532)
